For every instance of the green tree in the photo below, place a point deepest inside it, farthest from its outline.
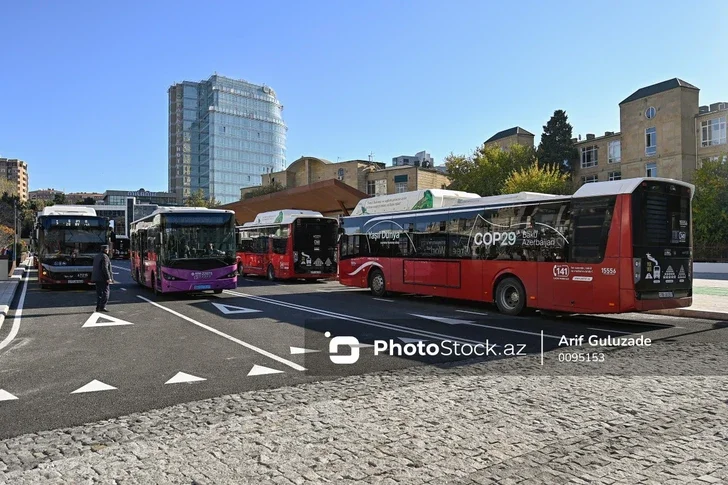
(263, 190)
(710, 205)
(546, 180)
(7, 187)
(59, 198)
(87, 201)
(198, 200)
(557, 144)
(488, 168)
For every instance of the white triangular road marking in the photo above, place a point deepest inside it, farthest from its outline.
(411, 340)
(301, 350)
(94, 321)
(94, 386)
(231, 309)
(184, 377)
(449, 321)
(259, 370)
(6, 396)
(363, 346)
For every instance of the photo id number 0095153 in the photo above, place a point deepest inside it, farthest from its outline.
(581, 357)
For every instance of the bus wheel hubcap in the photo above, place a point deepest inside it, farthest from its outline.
(377, 283)
(511, 297)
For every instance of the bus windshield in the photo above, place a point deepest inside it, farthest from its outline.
(209, 236)
(68, 240)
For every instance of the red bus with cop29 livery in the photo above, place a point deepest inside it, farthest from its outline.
(288, 244)
(612, 247)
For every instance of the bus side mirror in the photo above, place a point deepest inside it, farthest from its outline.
(340, 230)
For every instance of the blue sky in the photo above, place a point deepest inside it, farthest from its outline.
(83, 85)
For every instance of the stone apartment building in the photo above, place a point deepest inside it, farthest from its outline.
(372, 178)
(511, 136)
(16, 172)
(664, 132)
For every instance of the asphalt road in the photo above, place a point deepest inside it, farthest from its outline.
(152, 352)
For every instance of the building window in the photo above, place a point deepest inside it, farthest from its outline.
(615, 175)
(650, 141)
(400, 187)
(714, 132)
(650, 112)
(589, 157)
(589, 179)
(651, 170)
(340, 174)
(615, 151)
(376, 187)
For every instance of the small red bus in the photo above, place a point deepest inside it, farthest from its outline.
(288, 244)
(612, 247)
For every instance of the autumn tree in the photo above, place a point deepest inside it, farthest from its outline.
(710, 206)
(557, 143)
(262, 190)
(8, 187)
(487, 169)
(198, 199)
(536, 178)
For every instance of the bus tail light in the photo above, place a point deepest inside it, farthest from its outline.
(637, 266)
(295, 256)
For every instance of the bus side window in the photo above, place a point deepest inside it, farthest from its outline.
(590, 223)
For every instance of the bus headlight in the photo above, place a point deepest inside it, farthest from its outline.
(637, 268)
(229, 275)
(169, 277)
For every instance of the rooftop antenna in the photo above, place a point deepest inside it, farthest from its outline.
(371, 156)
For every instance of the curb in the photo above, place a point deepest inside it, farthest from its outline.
(5, 309)
(687, 313)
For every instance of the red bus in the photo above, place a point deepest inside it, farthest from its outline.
(288, 244)
(612, 247)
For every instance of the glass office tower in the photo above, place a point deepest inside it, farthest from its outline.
(223, 135)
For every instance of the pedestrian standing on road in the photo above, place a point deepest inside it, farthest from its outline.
(102, 277)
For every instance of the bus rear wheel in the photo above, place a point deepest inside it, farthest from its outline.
(510, 296)
(377, 283)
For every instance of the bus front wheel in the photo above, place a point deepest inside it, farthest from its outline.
(377, 283)
(510, 296)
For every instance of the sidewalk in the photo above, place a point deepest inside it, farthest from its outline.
(710, 300)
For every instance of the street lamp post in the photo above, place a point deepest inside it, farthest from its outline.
(15, 237)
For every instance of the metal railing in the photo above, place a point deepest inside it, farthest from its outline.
(703, 253)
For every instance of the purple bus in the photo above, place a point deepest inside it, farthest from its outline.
(184, 249)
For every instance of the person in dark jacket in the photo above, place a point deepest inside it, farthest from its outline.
(102, 277)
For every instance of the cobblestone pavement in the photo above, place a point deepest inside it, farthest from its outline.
(503, 422)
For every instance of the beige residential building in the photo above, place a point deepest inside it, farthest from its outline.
(372, 178)
(44, 194)
(664, 132)
(16, 171)
(76, 197)
(511, 136)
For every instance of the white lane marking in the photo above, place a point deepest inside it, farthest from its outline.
(94, 386)
(121, 268)
(184, 377)
(301, 350)
(232, 310)
(455, 321)
(259, 370)
(610, 331)
(350, 318)
(472, 313)
(18, 314)
(411, 340)
(95, 321)
(122, 289)
(224, 335)
(383, 299)
(6, 396)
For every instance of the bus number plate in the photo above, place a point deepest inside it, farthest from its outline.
(74, 281)
(666, 294)
(203, 287)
